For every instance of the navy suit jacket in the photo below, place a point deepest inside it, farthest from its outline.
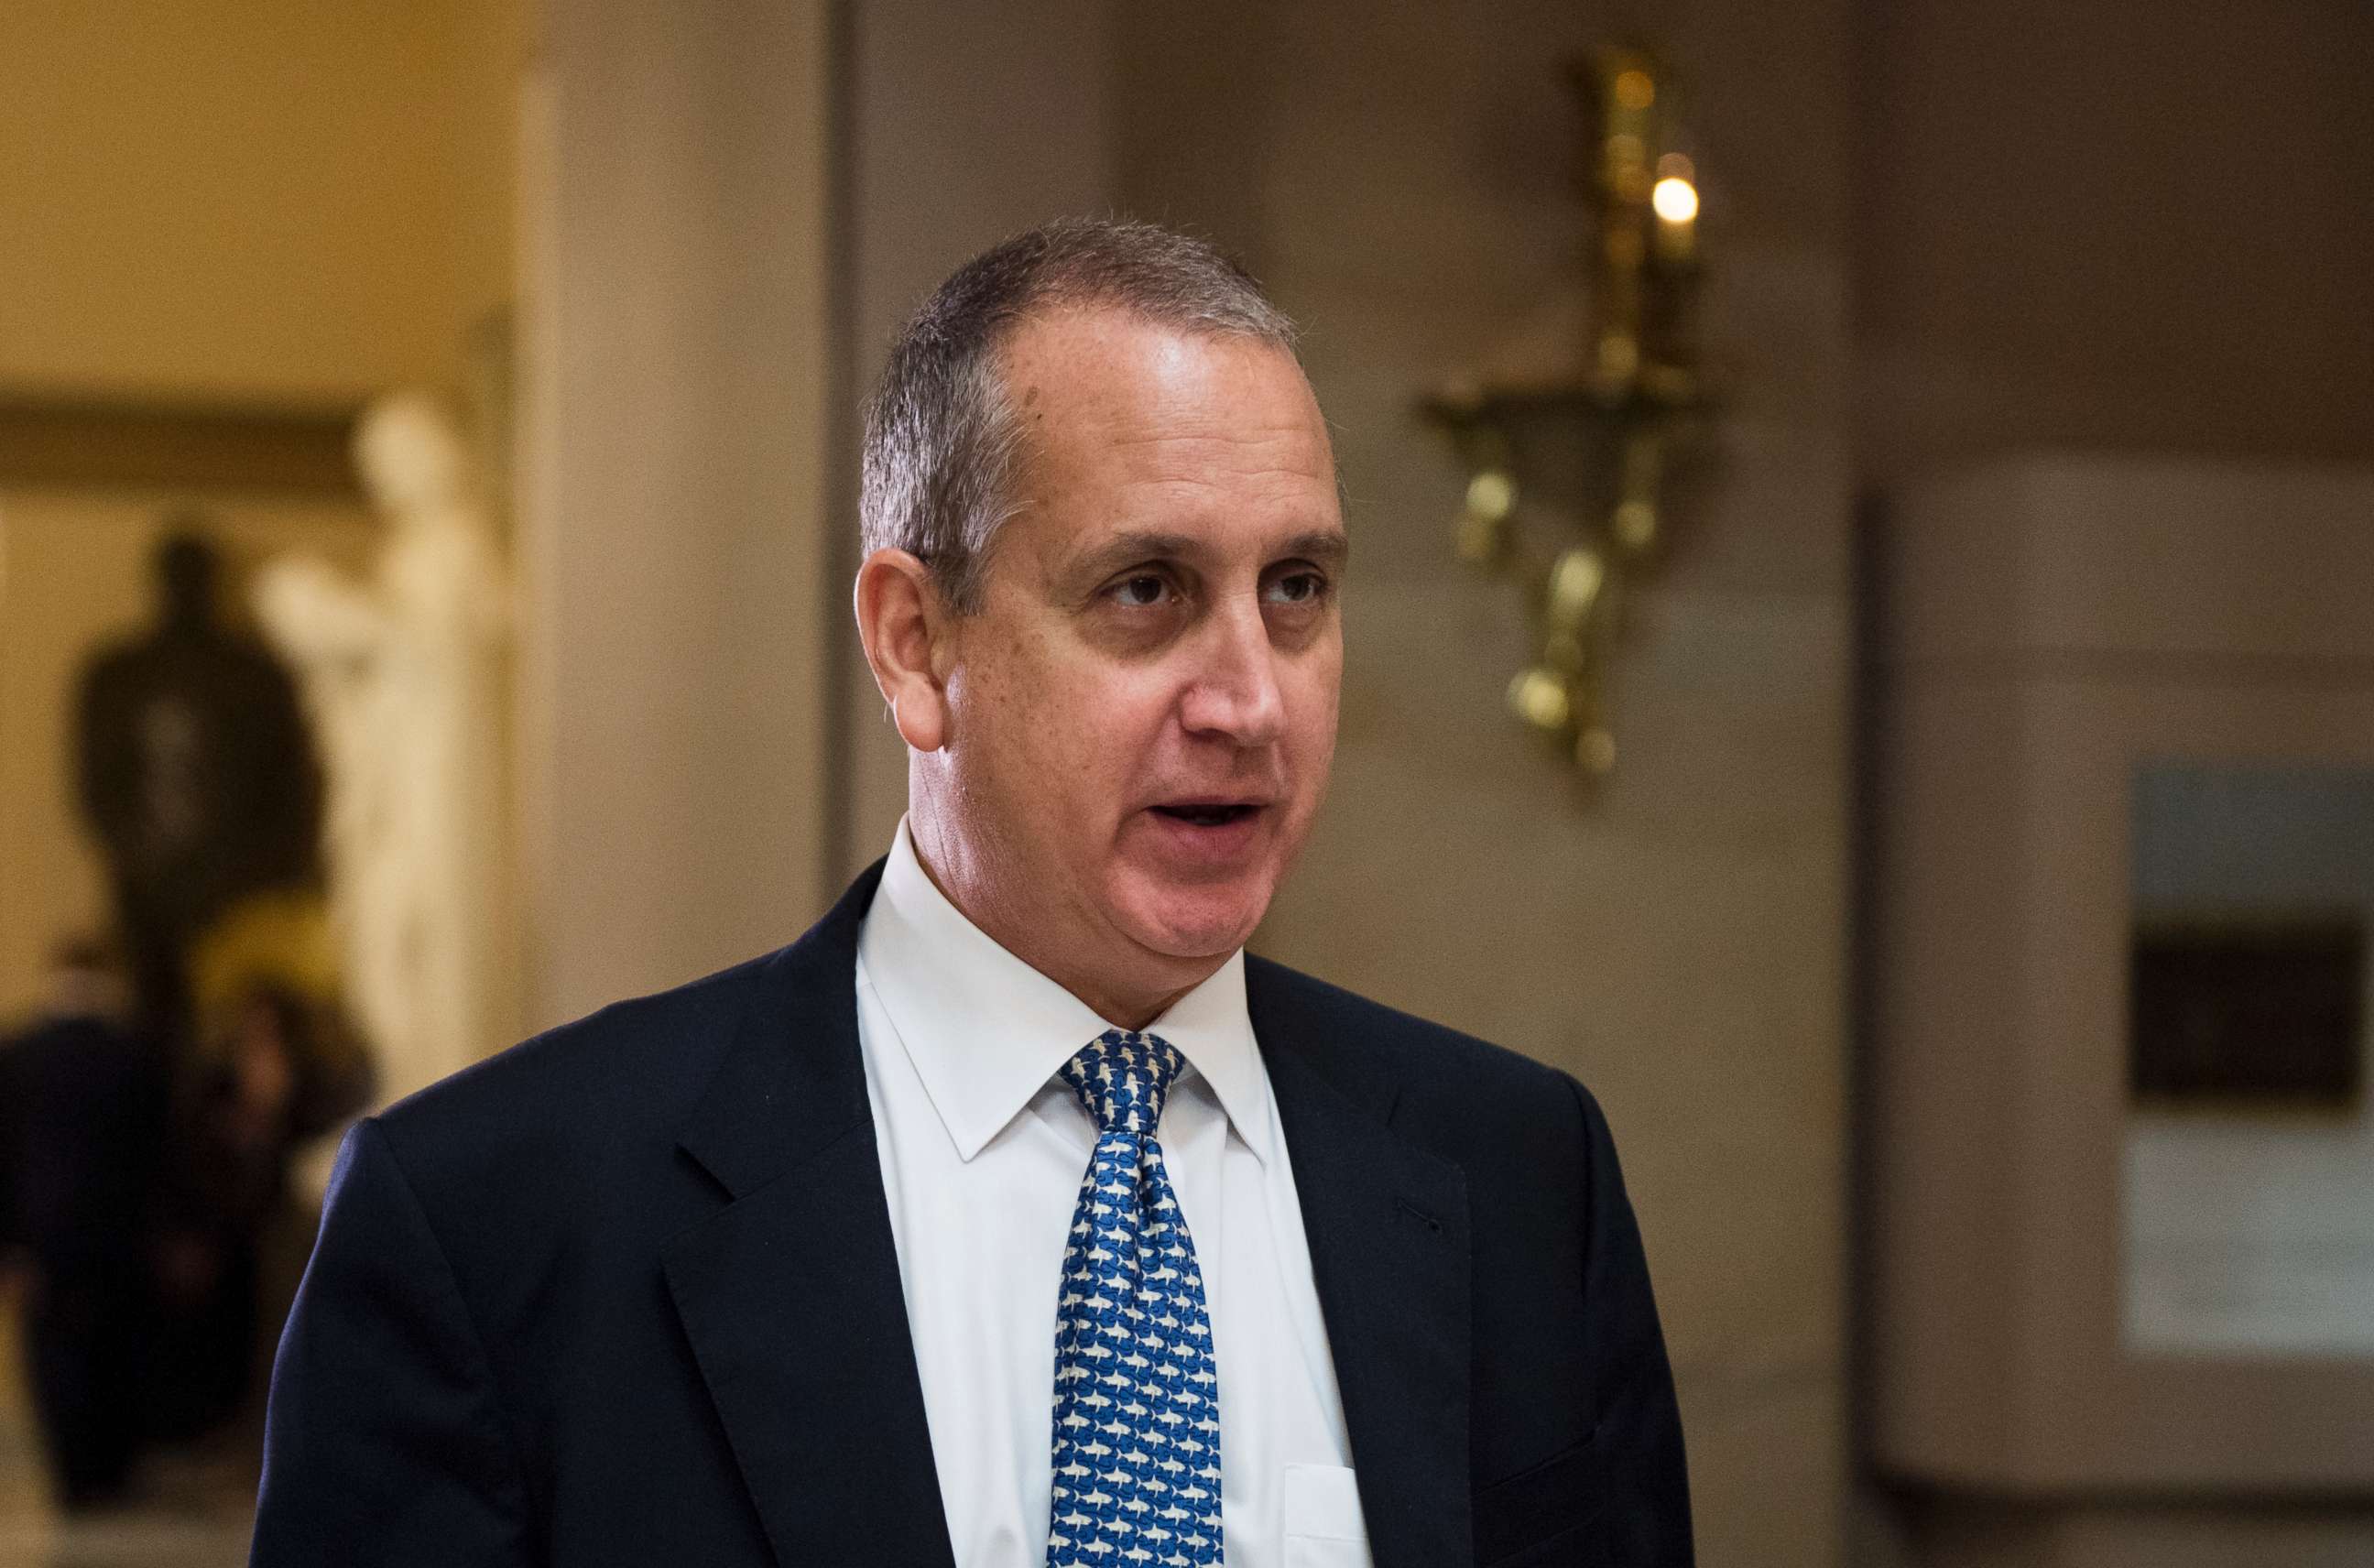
(628, 1294)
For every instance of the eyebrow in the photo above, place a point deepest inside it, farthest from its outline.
(1325, 546)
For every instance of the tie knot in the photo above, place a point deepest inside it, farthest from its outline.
(1121, 1077)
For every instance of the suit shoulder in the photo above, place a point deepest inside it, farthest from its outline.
(1425, 1052)
(630, 1071)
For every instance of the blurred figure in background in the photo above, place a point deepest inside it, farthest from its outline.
(197, 774)
(260, 1089)
(147, 1227)
(273, 1065)
(84, 1105)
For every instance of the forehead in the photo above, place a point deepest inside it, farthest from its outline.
(1120, 416)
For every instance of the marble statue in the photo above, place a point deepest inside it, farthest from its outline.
(404, 674)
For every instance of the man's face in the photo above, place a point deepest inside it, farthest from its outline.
(1143, 708)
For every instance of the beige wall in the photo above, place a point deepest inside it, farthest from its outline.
(673, 530)
(274, 200)
(2114, 225)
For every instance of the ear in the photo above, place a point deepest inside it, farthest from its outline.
(908, 630)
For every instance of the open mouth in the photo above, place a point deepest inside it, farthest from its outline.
(1213, 815)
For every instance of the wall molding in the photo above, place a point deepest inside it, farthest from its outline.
(102, 443)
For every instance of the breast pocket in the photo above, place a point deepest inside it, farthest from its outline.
(1325, 1528)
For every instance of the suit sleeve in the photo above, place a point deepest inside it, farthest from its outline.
(383, 1442)
(1637, 1436)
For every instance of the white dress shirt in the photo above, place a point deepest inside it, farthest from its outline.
(983, 1148)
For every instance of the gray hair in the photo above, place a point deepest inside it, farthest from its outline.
(941, 438)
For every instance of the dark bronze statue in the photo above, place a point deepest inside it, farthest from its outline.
(197, 774)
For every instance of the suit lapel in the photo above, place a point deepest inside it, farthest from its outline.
(1387, 1225)
(789, 1296)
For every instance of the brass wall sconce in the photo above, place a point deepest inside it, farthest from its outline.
(1609, 429)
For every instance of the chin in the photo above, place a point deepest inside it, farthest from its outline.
(1195, 922)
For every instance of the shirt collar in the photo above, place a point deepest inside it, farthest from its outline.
(986, 1032)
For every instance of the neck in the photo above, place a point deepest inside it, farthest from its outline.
(1122, 1015)
(1123, 1005)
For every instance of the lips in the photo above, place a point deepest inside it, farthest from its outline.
(1208, 814)
(1209, 835)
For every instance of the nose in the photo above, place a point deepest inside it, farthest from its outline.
(1233, 693)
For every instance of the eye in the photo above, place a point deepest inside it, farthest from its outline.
(1299, 587)
(1143, 590)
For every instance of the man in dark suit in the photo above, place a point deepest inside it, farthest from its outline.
(1013, 1216)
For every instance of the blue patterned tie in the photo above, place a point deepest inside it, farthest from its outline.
(1137, 1402)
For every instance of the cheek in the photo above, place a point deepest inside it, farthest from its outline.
(1312, 711)
(1074, 742)
(1012, 700)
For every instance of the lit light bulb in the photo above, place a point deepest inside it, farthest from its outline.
(1675, 199)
